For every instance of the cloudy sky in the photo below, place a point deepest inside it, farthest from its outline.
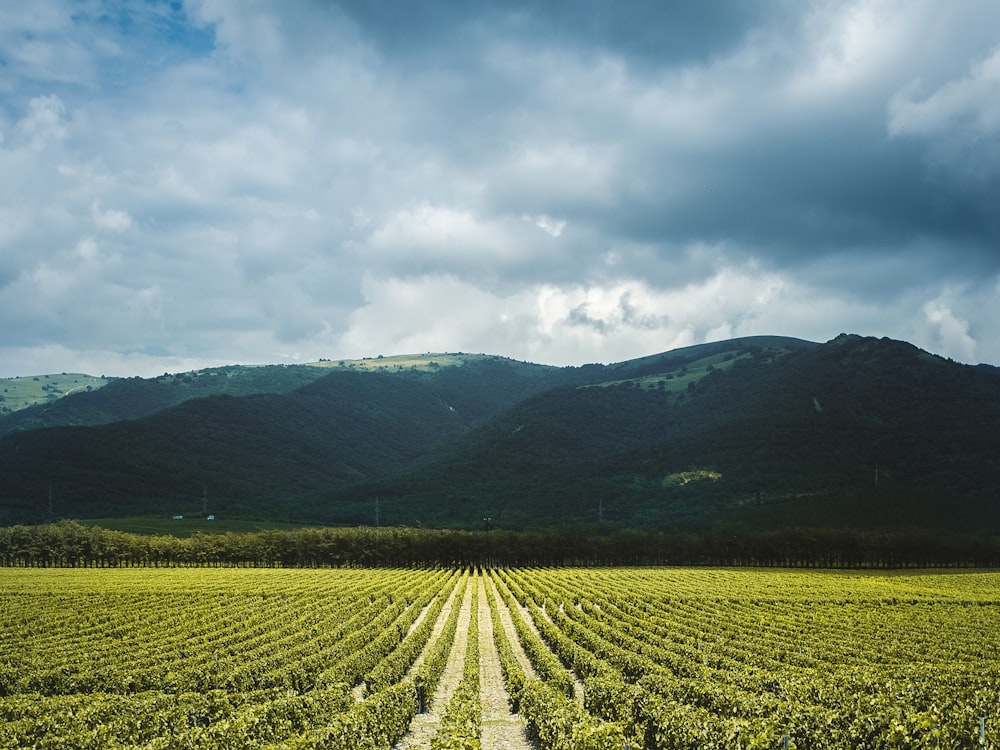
(192, 183)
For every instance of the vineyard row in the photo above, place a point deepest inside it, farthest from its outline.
(601, 659)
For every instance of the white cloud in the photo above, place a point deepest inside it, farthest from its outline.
(950, 333)
(578, 323)
(45, 122)
(112, 219)
(307, 179)
(552, 227)
(970, 103)
(426, 236)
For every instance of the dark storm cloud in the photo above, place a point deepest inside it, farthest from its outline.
(250, 180)
(645, 30)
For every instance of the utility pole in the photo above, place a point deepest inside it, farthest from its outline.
(204, 501)
(50, 498)
(378, 513)
(600, 510)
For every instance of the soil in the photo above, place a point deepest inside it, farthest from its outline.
(502, 730)
(424, 726)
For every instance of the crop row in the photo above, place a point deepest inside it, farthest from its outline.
(309, 659)
(214, 691)
(700, 672)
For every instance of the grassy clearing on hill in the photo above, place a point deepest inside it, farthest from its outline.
(426, 362)
(20, 393)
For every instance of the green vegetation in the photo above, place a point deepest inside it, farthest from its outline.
(669, 658)
(722, 659)
(186, 526)
(412, 362)
(20, 393)
(72, 544)
(754, 434)
(461, 725)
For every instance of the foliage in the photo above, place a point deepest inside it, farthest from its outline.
(855, 434)
(70, 544)
(673, 658)
(461, 725)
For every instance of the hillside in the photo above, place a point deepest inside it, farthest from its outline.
(858, 433)
(255, 454)
(82, 400)
(761, 432)
(42, 390)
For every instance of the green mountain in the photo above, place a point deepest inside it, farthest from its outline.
(857, 433)
(759, 433)
(255, 454)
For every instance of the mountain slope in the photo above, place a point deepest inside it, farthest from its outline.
(793, 440)
(761, 432)
(256, 454)
(132, 398)
(67, 400)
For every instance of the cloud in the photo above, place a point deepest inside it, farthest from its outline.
(263, 180)
(577, 323)
(970, 104)
(111, 220)
(44, 123)
(552, 227)
(958, 125)
(952, 333)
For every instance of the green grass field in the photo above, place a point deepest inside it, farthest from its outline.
(20, 393)
(427, 361)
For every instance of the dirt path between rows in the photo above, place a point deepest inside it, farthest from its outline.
(526, 614)
(360, 689)
(502, 730)
(424, 726)
(508, 627)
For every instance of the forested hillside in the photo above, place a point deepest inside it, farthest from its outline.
(253, 455)
(858, 433)
(755, 433)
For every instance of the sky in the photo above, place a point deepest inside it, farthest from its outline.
(207, 182)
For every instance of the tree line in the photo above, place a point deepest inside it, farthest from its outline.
(71, 544)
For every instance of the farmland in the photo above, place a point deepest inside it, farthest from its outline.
(520, 657)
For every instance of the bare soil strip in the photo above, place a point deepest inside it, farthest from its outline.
(508, 627)
(358, 691)
(435, 632)
(424, 726)
(512, 635)
(502, 730)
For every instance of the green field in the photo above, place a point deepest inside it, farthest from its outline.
(591, 658)
(20, 393)
(421, 362)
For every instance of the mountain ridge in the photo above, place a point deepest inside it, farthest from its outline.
(764, 432)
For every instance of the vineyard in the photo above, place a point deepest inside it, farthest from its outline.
(562, 659)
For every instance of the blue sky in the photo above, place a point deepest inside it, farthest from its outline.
(187, 184)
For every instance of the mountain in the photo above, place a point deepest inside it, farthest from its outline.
(44, 401)
(254, 454)
(759, 432)
(859, 433)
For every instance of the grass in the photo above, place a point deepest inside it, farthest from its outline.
(20, 393)
(676, 380)
(429, 361)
